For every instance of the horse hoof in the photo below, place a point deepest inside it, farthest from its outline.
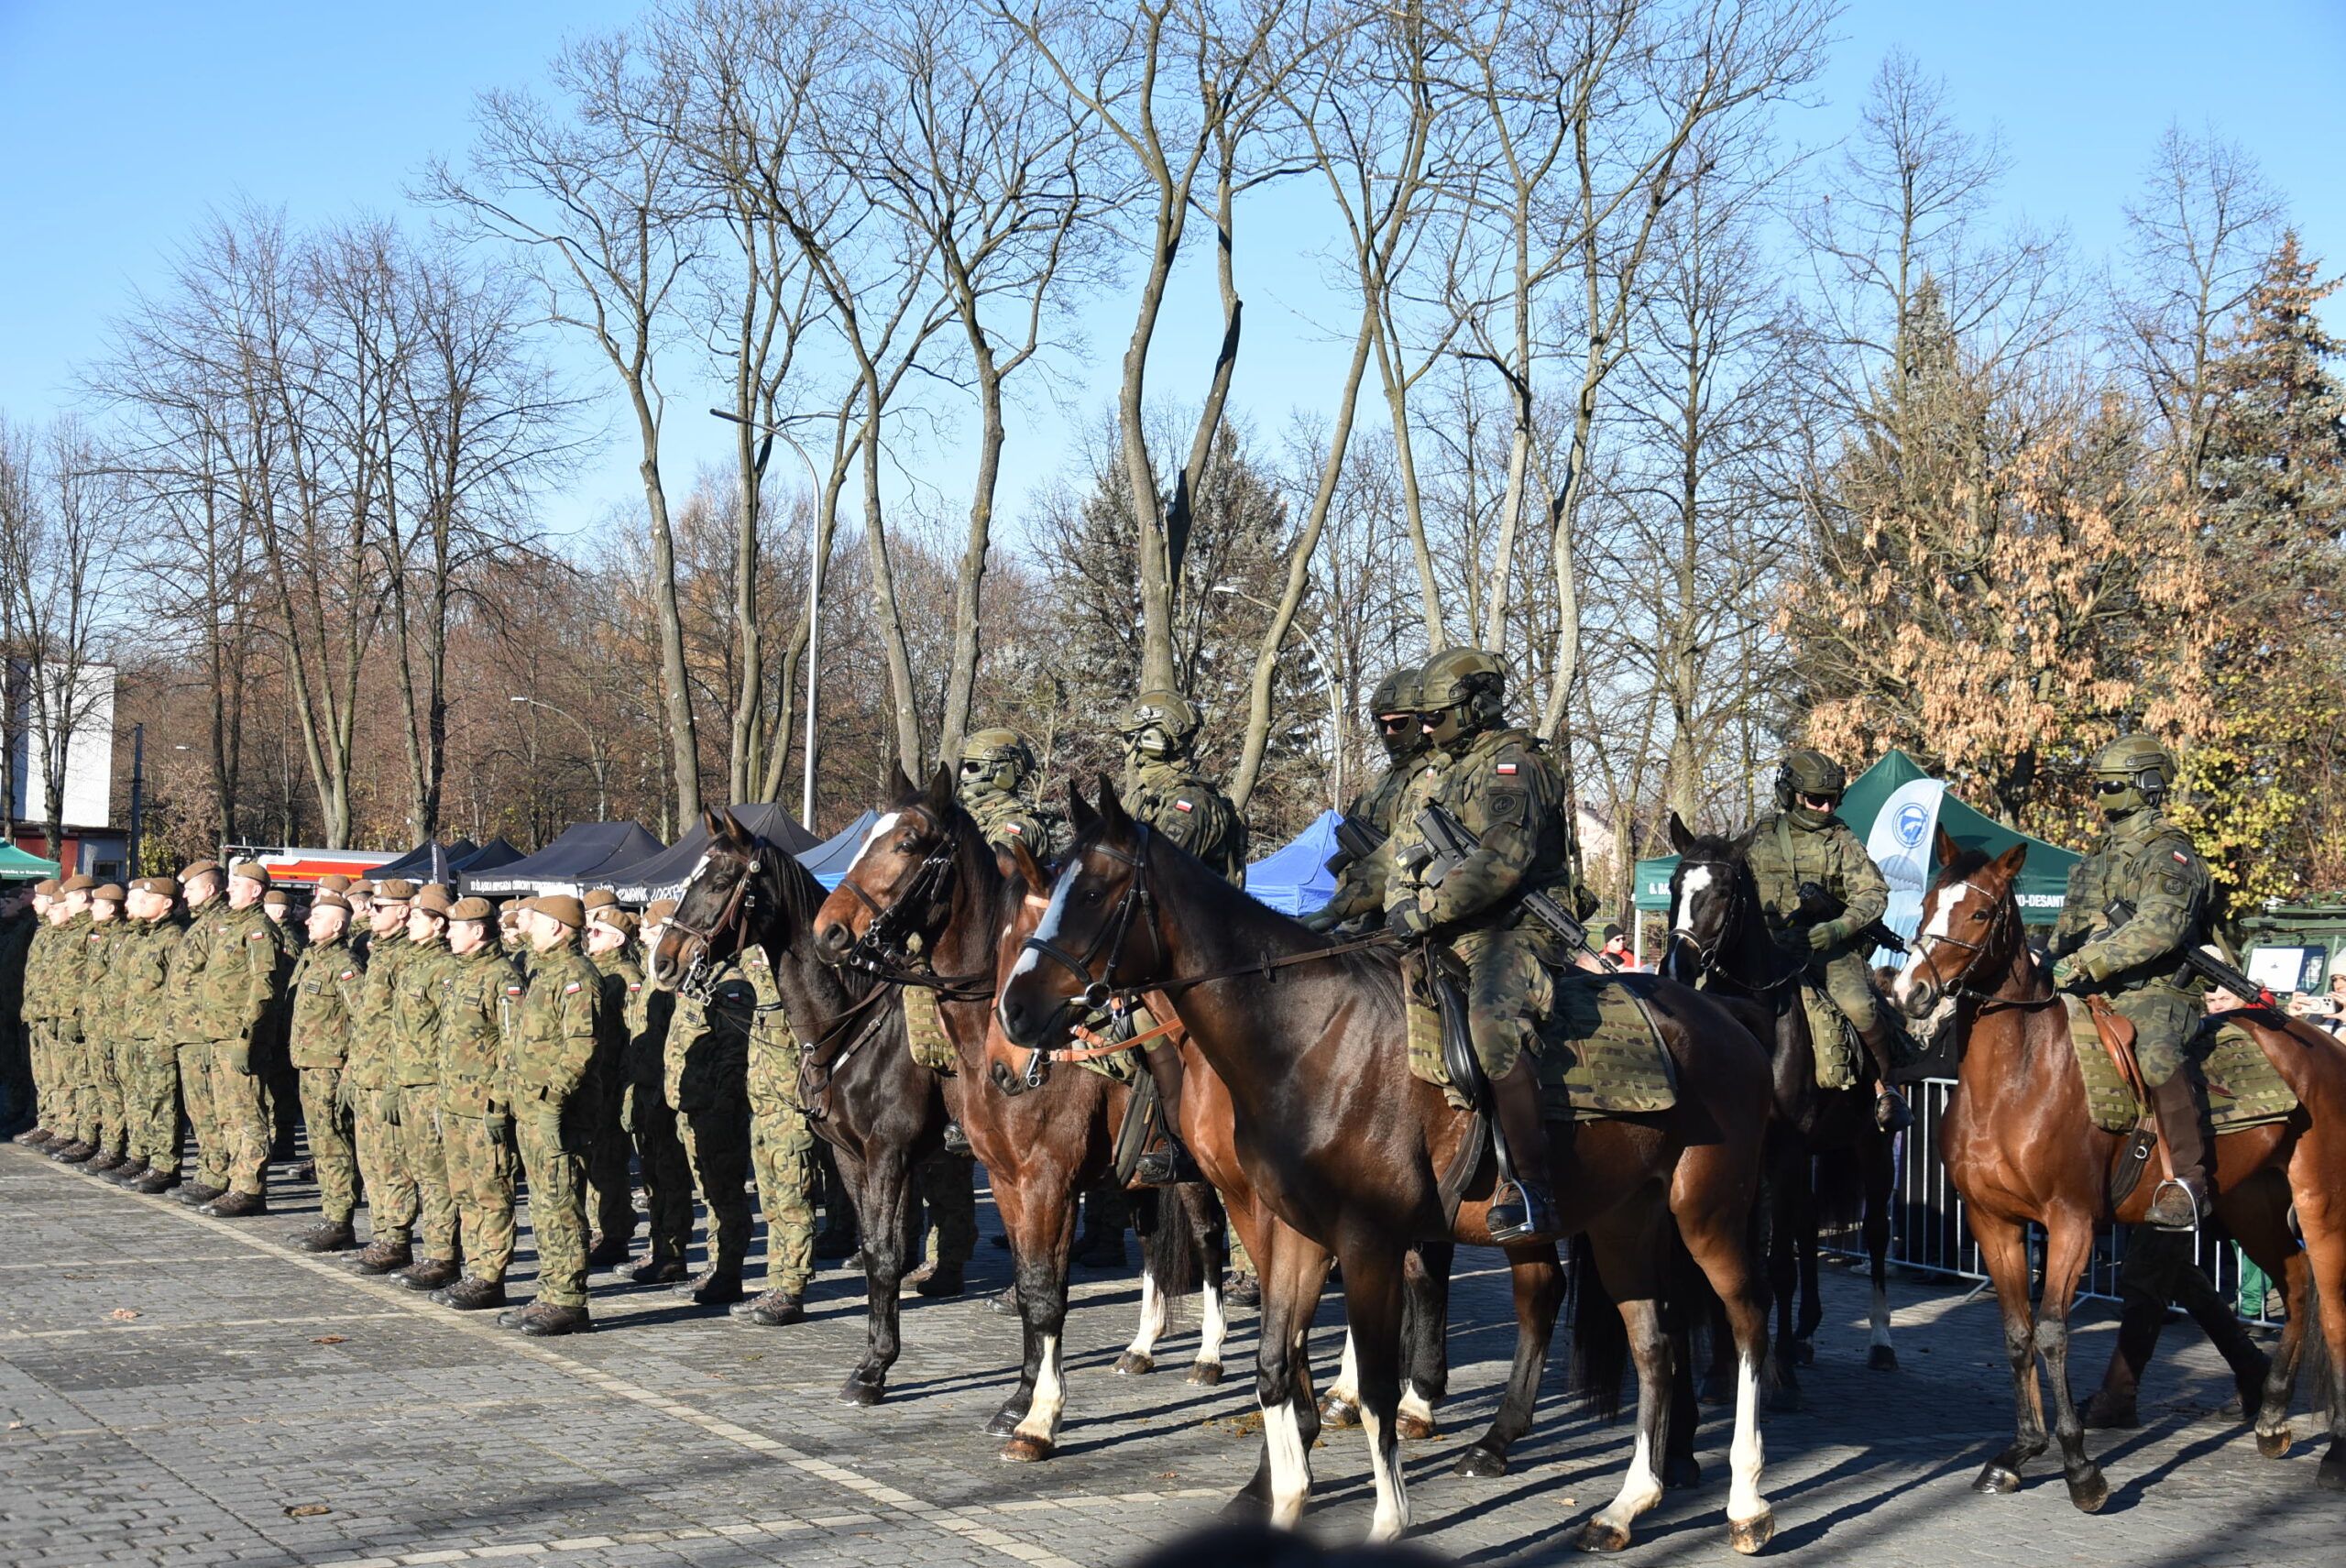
(2276, 1443)
(1246, 1508)
(1783, 1399)
(1336, 1410)
(1751, 1535)
(1598, 1536)
(1132, 1364)
(856, 1391)
(1997, 1479)
(1804, 1353)
(1206, 1374)
(1486, 1462)
(1005, 1422)
(1680, 1473)
(1882, 1358)
(1024, 1450)
(2331, 1476)
(2089, 1491)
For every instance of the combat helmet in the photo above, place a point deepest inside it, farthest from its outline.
(1810, 772)
(995, 759)
(1459, 692)
(1397, 696)
(1159, 724)
(2131, 772)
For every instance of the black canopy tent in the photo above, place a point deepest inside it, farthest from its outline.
(416, 864)
(570, 864)
(663, 873)
(488, 856)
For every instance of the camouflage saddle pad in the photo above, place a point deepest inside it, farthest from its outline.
(1599, 1053)
(2234, 1081)
(1832, 1038)
(924, 1030)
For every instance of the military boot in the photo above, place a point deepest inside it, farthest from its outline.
(541, 1320)
(105, 1160)
(771, 1308)
(380, 1256)
(430, 1274)
(1521, 1209)
(1004, 1300)
(957, 1142)
(471, 1294)
(717, 1287)
(128, 1171)
(329, 1235)
(1240, 1290)
(195, 1194)
(606, 1252)
(236, 1205)
(1164, 1161)
(937, 1279)
(74, 1153)
(160, 1179)
(2181, 1202)
(659, 1270)
(36, 1137)
(1890, 1109)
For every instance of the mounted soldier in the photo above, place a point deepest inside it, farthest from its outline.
(996, 766)
(1163, 790)
(1821, 892)
(1368, 820)
(1497, 784)
(2136, 904)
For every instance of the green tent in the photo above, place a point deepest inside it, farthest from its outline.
(2044, 881)
(16, 865)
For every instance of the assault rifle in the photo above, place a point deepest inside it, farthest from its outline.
(2207, 965)
(1446, 842)
(1355, 841)
(1818, 905)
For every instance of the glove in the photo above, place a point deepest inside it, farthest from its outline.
(1406, 920)
(2070, 974)
(1326, 918)
(1826, 935)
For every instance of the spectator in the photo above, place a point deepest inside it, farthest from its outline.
(1617, 949)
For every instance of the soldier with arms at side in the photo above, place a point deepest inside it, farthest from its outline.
(369, 1075)
(327, 990)
(611, 1192)
(652, 1119)
(549, 1041)
(67, 961)
(415, 1071)
(241, 988)
(105, 1043)
(141, 975)
(479, 987)
(32, 1011)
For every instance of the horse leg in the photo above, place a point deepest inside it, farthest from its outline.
(1140, 1356)
(1340, 1407)
(1539, 1282)
(1719, 1242)
(1791, 1231)
(2324, 1224)
(1425, 1336)
(1623, 1259)
(1292, 1272)
(2265, 1384)
(1205, 1217)
(2003, 1249)
(1880, 1355)
(1373, 1275)
(1042, 1304)
(2068, 1243)
(880, 1204)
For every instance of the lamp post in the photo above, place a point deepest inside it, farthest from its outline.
(813, 594)
(1327, 678)
(594, 754)
(137, 795)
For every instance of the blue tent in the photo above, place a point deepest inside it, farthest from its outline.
(829, 860)
(1295, 880)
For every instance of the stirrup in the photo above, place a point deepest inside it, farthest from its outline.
(1166, 1164)
(2191, 1199)
(1889, 1102)
(1538, 1222)
(957, 1141)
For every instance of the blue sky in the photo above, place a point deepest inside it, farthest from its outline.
(123, 122)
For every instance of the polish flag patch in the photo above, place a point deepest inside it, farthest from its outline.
(1180, 804)
(2180, 858)
(1507, 768)
(1015, 828)
(571, 990)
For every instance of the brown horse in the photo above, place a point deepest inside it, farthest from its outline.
(2021, 1146)
(1349, 1148)
(1828, 1156)
(925, 878)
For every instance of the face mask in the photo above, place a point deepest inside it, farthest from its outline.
(2119, 798)
(1445, 726)
(1401, 735)
(978, 773)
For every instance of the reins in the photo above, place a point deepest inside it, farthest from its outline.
(881, 950)
(1740, 898)
(2006, 921)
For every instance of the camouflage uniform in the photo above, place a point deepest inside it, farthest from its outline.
(191, 1050)
(1785, 852)
(415, 1038)
(32, 1007)
(1190, 810)
(150, 1102)
(326, 992)
(476, 991)
(239, 990)
(2150, 863)
(391, 1201)
(610, 1191)
(782, 1140)
(16, 1077)
(67, 964)
(103, 1041)
(549, 1035)
(651, 1121)
(707, 1079)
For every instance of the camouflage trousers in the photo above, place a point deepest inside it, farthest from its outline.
(331, 1148)
(717, 1142)
(610, 1189)
(782, 1148)
(80, 1098)
(551, 1134)
(943, 1182)
(150, 1101)
(102, 1060)
(194, 1059)
(427, 1166)
(1508, 992)
(1847, 980)
(667, 1174)
(382, 1164)
(130, 1073)
(241, 1113)
(2165, 1022)
(41, 1071)
(480, 1184)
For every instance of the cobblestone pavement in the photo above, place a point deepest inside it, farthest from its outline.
(183, 1390)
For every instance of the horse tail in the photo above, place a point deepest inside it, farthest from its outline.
(1600, 1339)
(1169, 1243)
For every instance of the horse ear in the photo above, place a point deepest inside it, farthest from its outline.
(940, 792)
(900, 784)
(720, 827)
(1679, 837)
(1944, 843)
(1078, 810)
(1018, 856)
(2010, 861)
(1743, 844)
(1112, 810)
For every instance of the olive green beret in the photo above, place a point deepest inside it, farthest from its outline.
(49, 887)
(79, 883)
(335, 882)
(161, 886)
(618, 920)
(440, 889)
(472, 909)
(398, 890)
(200, 868)
(598, 898)
(561, 907)
(434, 900)
(251, 871)
(279, 897)
(112, 892)
(658, 910)
(362, 888)
(328, 898)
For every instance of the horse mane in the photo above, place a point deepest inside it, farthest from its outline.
(1965, 863)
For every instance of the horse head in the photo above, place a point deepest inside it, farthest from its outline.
(707, 927)
(1712, 901)
(1078, 956)
(901, 881)
(1969, 928)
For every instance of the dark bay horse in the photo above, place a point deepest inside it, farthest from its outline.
(2021, 1147)
(926, 878)
(1349, 1148)
(1827, 1157)
(879, 1110)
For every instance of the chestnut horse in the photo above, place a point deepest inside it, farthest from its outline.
(926, 878)
(1719, 940)
(880, 1112)
(2021, 1146)
(1339, 1138)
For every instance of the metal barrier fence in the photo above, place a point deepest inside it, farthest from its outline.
(1928, 1232)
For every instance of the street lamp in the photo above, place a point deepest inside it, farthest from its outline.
(1327, 678)
(813, 594)
(594, 754)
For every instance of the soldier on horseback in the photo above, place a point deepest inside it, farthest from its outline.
(996, 766)
(2136, 904)
(1163, 792)
(1368, 820)
(1797, 851)
(1495, 780)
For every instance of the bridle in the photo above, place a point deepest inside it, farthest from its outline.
(2005, 924)
(883, 948)
(737, 904)
(1742, 895)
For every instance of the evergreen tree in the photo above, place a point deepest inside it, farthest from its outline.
(2275, 481)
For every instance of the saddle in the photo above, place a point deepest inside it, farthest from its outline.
(2232, 1081)
(1599, 1052)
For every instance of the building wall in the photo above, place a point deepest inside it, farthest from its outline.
(89, 749)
